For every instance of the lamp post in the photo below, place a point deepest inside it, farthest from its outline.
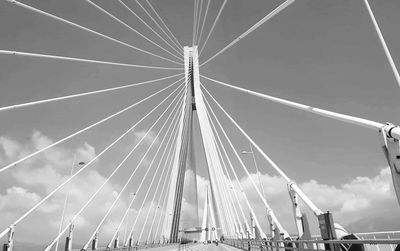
(256, 166)
(66, 201)
(127, 219)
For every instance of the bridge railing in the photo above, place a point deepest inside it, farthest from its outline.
(388, 235)
(138, 246)
(380, 235)
(316, 245)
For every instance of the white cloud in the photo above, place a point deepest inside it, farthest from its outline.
(46, 177)
(362, 192)
(349, 202)
(40, 141)
(361, 196)
(17, 198)
(150, 137)
(85, 153)
(9, 147)
(36, 178)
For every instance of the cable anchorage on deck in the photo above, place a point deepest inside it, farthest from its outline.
(391, 149)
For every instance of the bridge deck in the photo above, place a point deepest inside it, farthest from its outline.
(208, 247)
(196, 247)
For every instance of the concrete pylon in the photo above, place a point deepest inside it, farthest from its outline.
(181, 155)
(193, 104)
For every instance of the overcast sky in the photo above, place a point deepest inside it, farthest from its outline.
(321, 53)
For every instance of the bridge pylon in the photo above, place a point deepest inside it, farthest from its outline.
(183, 158)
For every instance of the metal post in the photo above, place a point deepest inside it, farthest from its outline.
(65, 204)
(68, 240)
(272, 227)
(237, 231)
(10, 243)
(116, 241)
(298, 216)
(94, 242)
(377, 246)
(391, 245)
(130, 242)
(258, 172)
(327, 228)
(253, 227)
(391, 149)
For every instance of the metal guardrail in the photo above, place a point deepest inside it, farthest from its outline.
(316, 245)
(380, 235)
(388, 235)
(139, 246)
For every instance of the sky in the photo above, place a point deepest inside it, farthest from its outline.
(321, 53)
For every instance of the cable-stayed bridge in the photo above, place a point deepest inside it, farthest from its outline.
(166, 155)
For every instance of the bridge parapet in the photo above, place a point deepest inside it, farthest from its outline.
(363, 244)
(139, 246)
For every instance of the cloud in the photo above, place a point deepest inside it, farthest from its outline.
(45, 177)
(358, 194)
(32, 180)
(85, 153)
(150, 137)
(17, 198)
(146, 140)
(9, 147)
(350, 202)
(40, 141)
(38, 176)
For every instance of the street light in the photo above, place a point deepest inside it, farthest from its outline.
(256, 166)
(66, 200)
(127, 219)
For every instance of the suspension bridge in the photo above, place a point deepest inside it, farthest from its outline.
(163, 178)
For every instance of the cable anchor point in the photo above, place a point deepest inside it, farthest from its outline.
(391, 149)
(10, 242)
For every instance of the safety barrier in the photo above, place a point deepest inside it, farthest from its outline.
(138, 246)
(314, 245)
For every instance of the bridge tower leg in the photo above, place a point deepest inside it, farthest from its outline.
(213, 228)
(205, 219)
(180, 161)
